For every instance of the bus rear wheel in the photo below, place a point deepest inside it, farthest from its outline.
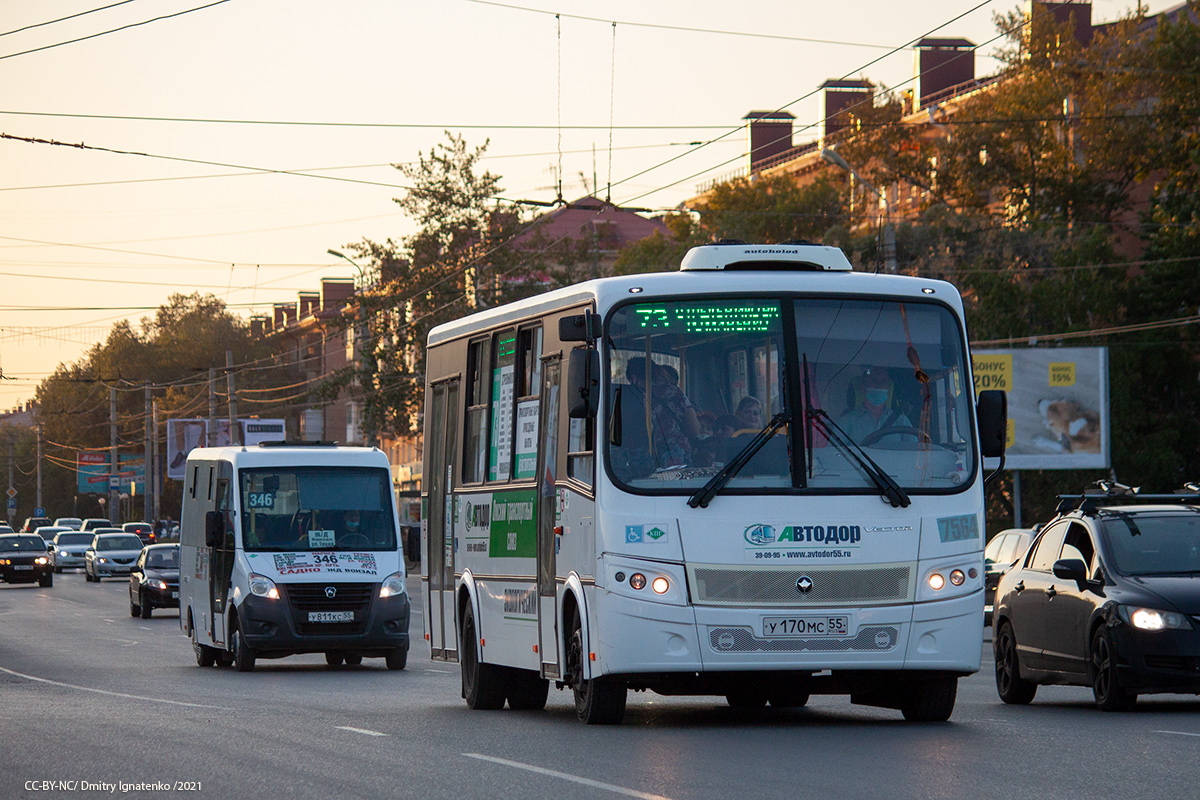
(599, 701)
(483, 685)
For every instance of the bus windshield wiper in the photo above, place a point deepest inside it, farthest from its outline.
(707, 492)
(887, 486)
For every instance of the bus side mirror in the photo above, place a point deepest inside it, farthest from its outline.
(214, 529)
(579, 328)
(991, 409)
(583, 383)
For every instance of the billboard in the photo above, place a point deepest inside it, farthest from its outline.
(92, 473)
(1058, 414)
(184, 435)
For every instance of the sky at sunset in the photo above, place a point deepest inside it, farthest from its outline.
(230, 143)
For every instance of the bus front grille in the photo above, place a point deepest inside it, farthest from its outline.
(877, 584)
(316, 597)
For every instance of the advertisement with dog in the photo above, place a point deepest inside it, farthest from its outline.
(1058, 413)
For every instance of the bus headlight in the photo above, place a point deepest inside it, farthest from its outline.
(660, 585)
(936, 581)
(262, 586)
(392, 586)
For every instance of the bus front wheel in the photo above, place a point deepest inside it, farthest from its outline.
(930, 700)
(599, 701)
(482, 684)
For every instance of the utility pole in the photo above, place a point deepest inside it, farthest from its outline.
(114, 462)
(157, 482)
(39, 467)
(212, 407)
(235, 433)
(147, 463)
(12, 491)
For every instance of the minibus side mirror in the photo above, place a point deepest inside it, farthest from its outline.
(991, 409)
(583, 383)
(214, 529)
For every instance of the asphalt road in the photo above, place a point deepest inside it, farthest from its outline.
(92, 696)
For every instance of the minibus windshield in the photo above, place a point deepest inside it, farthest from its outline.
(298, 509)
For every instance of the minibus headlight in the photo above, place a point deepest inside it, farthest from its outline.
(392, 586)
(637, 580)
(262, 586)
(936, 581)
(660, 585)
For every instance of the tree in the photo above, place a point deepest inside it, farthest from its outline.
(172, 351)
(769, 209)
(456, 262)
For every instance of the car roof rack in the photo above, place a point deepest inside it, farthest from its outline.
(1088, 503)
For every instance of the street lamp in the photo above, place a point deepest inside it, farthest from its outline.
(888, 244)
(361, 277)
(361, 335)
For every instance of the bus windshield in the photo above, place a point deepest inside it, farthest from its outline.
(299, 509)
(865, 386)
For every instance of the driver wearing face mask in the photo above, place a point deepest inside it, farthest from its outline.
(877, 411)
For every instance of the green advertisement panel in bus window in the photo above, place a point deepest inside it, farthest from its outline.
(503, 373)
(514, 524)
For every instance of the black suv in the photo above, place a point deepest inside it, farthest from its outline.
(1107, 596)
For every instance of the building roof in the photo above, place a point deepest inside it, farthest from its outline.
(590, 216)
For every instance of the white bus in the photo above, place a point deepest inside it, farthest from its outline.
(758, 477)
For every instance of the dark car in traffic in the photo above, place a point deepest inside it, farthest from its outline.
(1108, 596)
(154, 580)
(23, 559)
(999, 555)
(144, 531)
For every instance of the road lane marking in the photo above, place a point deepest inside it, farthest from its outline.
(1178, 733)
(360, 730)
(608, 787)
(111, 694)
(440, 671)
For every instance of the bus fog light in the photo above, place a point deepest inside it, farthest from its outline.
(936, 581)
(637, 580)
(660, 585)
(957, 577)
(973, 573)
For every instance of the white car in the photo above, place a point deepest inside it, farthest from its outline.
(111, 554)
(69, 549)
(74, 523)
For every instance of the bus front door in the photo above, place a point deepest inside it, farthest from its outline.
(547, 536)
(440, 623)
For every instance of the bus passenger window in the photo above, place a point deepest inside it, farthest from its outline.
(529, 384)
(475, 440)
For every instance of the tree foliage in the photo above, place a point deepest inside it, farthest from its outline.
(171, 351)
(455, 263)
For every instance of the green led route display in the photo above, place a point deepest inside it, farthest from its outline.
(739, 317)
